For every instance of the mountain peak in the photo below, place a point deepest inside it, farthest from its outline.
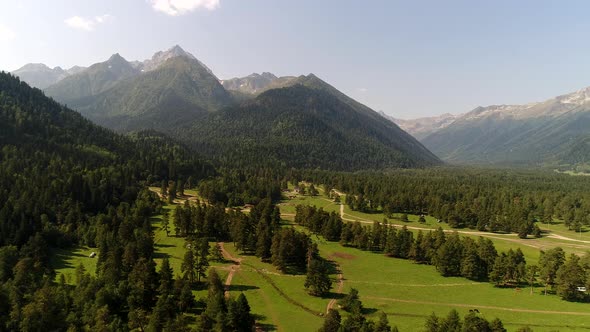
(116, 58)
(161, 57)
(33, 66)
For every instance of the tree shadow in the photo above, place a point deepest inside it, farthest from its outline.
(333, 267)
(263, 327)
(242, 288)
(161, 255)
(334, 296)
(369, 311)
(159, 245)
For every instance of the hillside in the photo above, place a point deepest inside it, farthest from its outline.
(92, 81)
(535, 133)
(255, 83)
(308, 125)
(178, 91)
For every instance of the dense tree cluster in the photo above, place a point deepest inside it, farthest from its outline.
(483, 199)
(472, 322)
(244, 186)
(201, 220)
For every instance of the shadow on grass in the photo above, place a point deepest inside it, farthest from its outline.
(60, 258)
(264, 327)
(369, 311)
(161, 255)
(164, 245)
(242, 288)
(333, 296)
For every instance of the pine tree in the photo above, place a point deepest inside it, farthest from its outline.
(244, 320)
(215, 298)
(331, 322)
(188, 266)
(166, 222)
(217, 254)
(452, 323)
(202, 258)
(166, 278)
(317, 281)
(570, 276)
(383, 324)
(432, 323)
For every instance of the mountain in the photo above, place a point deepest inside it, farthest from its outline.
(308, 124)
(57, 168)
(255, 83)
(249, 84)
(422, 127)
(89, 82)
(178, 91)
(535, 133)
(159, 58)
(39, 75)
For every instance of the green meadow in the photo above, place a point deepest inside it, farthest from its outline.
(405, 291)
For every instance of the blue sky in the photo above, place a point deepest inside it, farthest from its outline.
(406, 58)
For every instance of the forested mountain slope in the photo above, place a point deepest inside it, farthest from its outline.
(54, 161)
(311, 126)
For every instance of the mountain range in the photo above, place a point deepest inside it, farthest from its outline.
(422, 127)
(555, 132)
(41, 76)
(293, 121)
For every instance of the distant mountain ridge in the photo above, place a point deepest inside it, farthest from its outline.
(534, 133)
(95, 79)
(422, 127)
(41, 76)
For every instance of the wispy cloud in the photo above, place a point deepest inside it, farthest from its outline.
(6, 34)
(181, 7)
(87, 24)
(363, 90)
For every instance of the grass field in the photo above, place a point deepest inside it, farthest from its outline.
(65, 261)
(409, 292)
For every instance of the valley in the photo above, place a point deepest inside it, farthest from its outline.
(294, 166)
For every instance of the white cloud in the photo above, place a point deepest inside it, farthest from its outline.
(88, 24)
(103, 18)
(363, 90)
(6, 34)
(180, 7)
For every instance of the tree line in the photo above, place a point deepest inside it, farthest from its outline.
(484, 199)
(453, 255)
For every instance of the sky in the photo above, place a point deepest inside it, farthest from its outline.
(408, 59)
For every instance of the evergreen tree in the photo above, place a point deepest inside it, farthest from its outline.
(549, 263)
(215, 298)
(202, 258)
(188, 266)
(570, 276)
(382, 324)
(217, 254)
(331, 322)
(317, 281)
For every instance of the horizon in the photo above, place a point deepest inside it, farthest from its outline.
(408, 60)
